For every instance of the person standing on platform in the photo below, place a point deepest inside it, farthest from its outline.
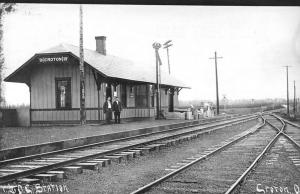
(107, 110)
(117, 108)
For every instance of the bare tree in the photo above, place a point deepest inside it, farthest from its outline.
(5, 8)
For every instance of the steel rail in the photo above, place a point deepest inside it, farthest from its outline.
(5, 162)
(30, 172)
(286, 135)
(289, 122)
(150, 185)
(291, 139)
(258, 158)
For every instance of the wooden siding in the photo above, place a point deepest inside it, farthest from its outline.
(43, 97)
(43, 84)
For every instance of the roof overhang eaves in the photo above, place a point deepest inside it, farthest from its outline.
(176, 86)
(55, 53)
(130, 80)
(9, 77)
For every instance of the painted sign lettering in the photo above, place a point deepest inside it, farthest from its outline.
(53, 59)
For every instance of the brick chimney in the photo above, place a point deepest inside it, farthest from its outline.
(100, 44)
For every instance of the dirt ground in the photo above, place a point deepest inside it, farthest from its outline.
(22, 136)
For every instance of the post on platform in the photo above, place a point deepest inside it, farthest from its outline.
(82, 75)
(156, 46)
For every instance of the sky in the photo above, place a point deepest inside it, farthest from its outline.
(255, 43)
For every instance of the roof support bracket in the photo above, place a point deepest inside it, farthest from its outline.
(98, 79)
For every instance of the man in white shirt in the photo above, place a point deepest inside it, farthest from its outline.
(107, 110)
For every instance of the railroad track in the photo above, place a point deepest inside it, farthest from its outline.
(52, 166)
(221, 169)
(279, 171)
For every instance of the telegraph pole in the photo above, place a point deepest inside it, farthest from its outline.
(287, 91)
(82, 76)
(217, 87)
(294, 98)
(156, 46)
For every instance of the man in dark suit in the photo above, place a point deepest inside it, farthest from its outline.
(107, 110)
(117, 108)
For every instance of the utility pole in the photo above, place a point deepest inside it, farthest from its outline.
(287, 91)
(217, 87)
(296, 104)
(82, 76)
(294, 98)
(166, 46)
(156, 46)
(225, 102)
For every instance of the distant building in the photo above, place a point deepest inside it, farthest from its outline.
(53, 80)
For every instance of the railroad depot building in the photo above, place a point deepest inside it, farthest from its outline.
(53, 78)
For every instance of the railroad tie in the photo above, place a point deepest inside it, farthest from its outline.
(105, 160)
(29, 180)
(170, 169)
(145, 150)
(114, 158)
(181, 163)
(132, 154)
(46, 177)
(166, 143)
(59, 173)
(175, 166)
(157, 146)
(123, 155)
(152, 147)
(194, 136)
(100, 163)
(137, 152)
(72, 169)
(178, 140)
(88, 165)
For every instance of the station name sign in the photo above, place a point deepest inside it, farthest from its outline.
(53, 59)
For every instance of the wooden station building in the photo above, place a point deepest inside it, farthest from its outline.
(53, 78)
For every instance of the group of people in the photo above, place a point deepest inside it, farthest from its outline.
(115, 107)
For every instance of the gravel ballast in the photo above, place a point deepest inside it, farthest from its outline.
(277, 172)
(129, 176)
(217, 173)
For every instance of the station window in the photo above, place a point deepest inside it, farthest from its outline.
(63, 92)
(141, 96)
(131, 91)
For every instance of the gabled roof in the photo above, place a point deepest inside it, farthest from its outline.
(109, 65)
